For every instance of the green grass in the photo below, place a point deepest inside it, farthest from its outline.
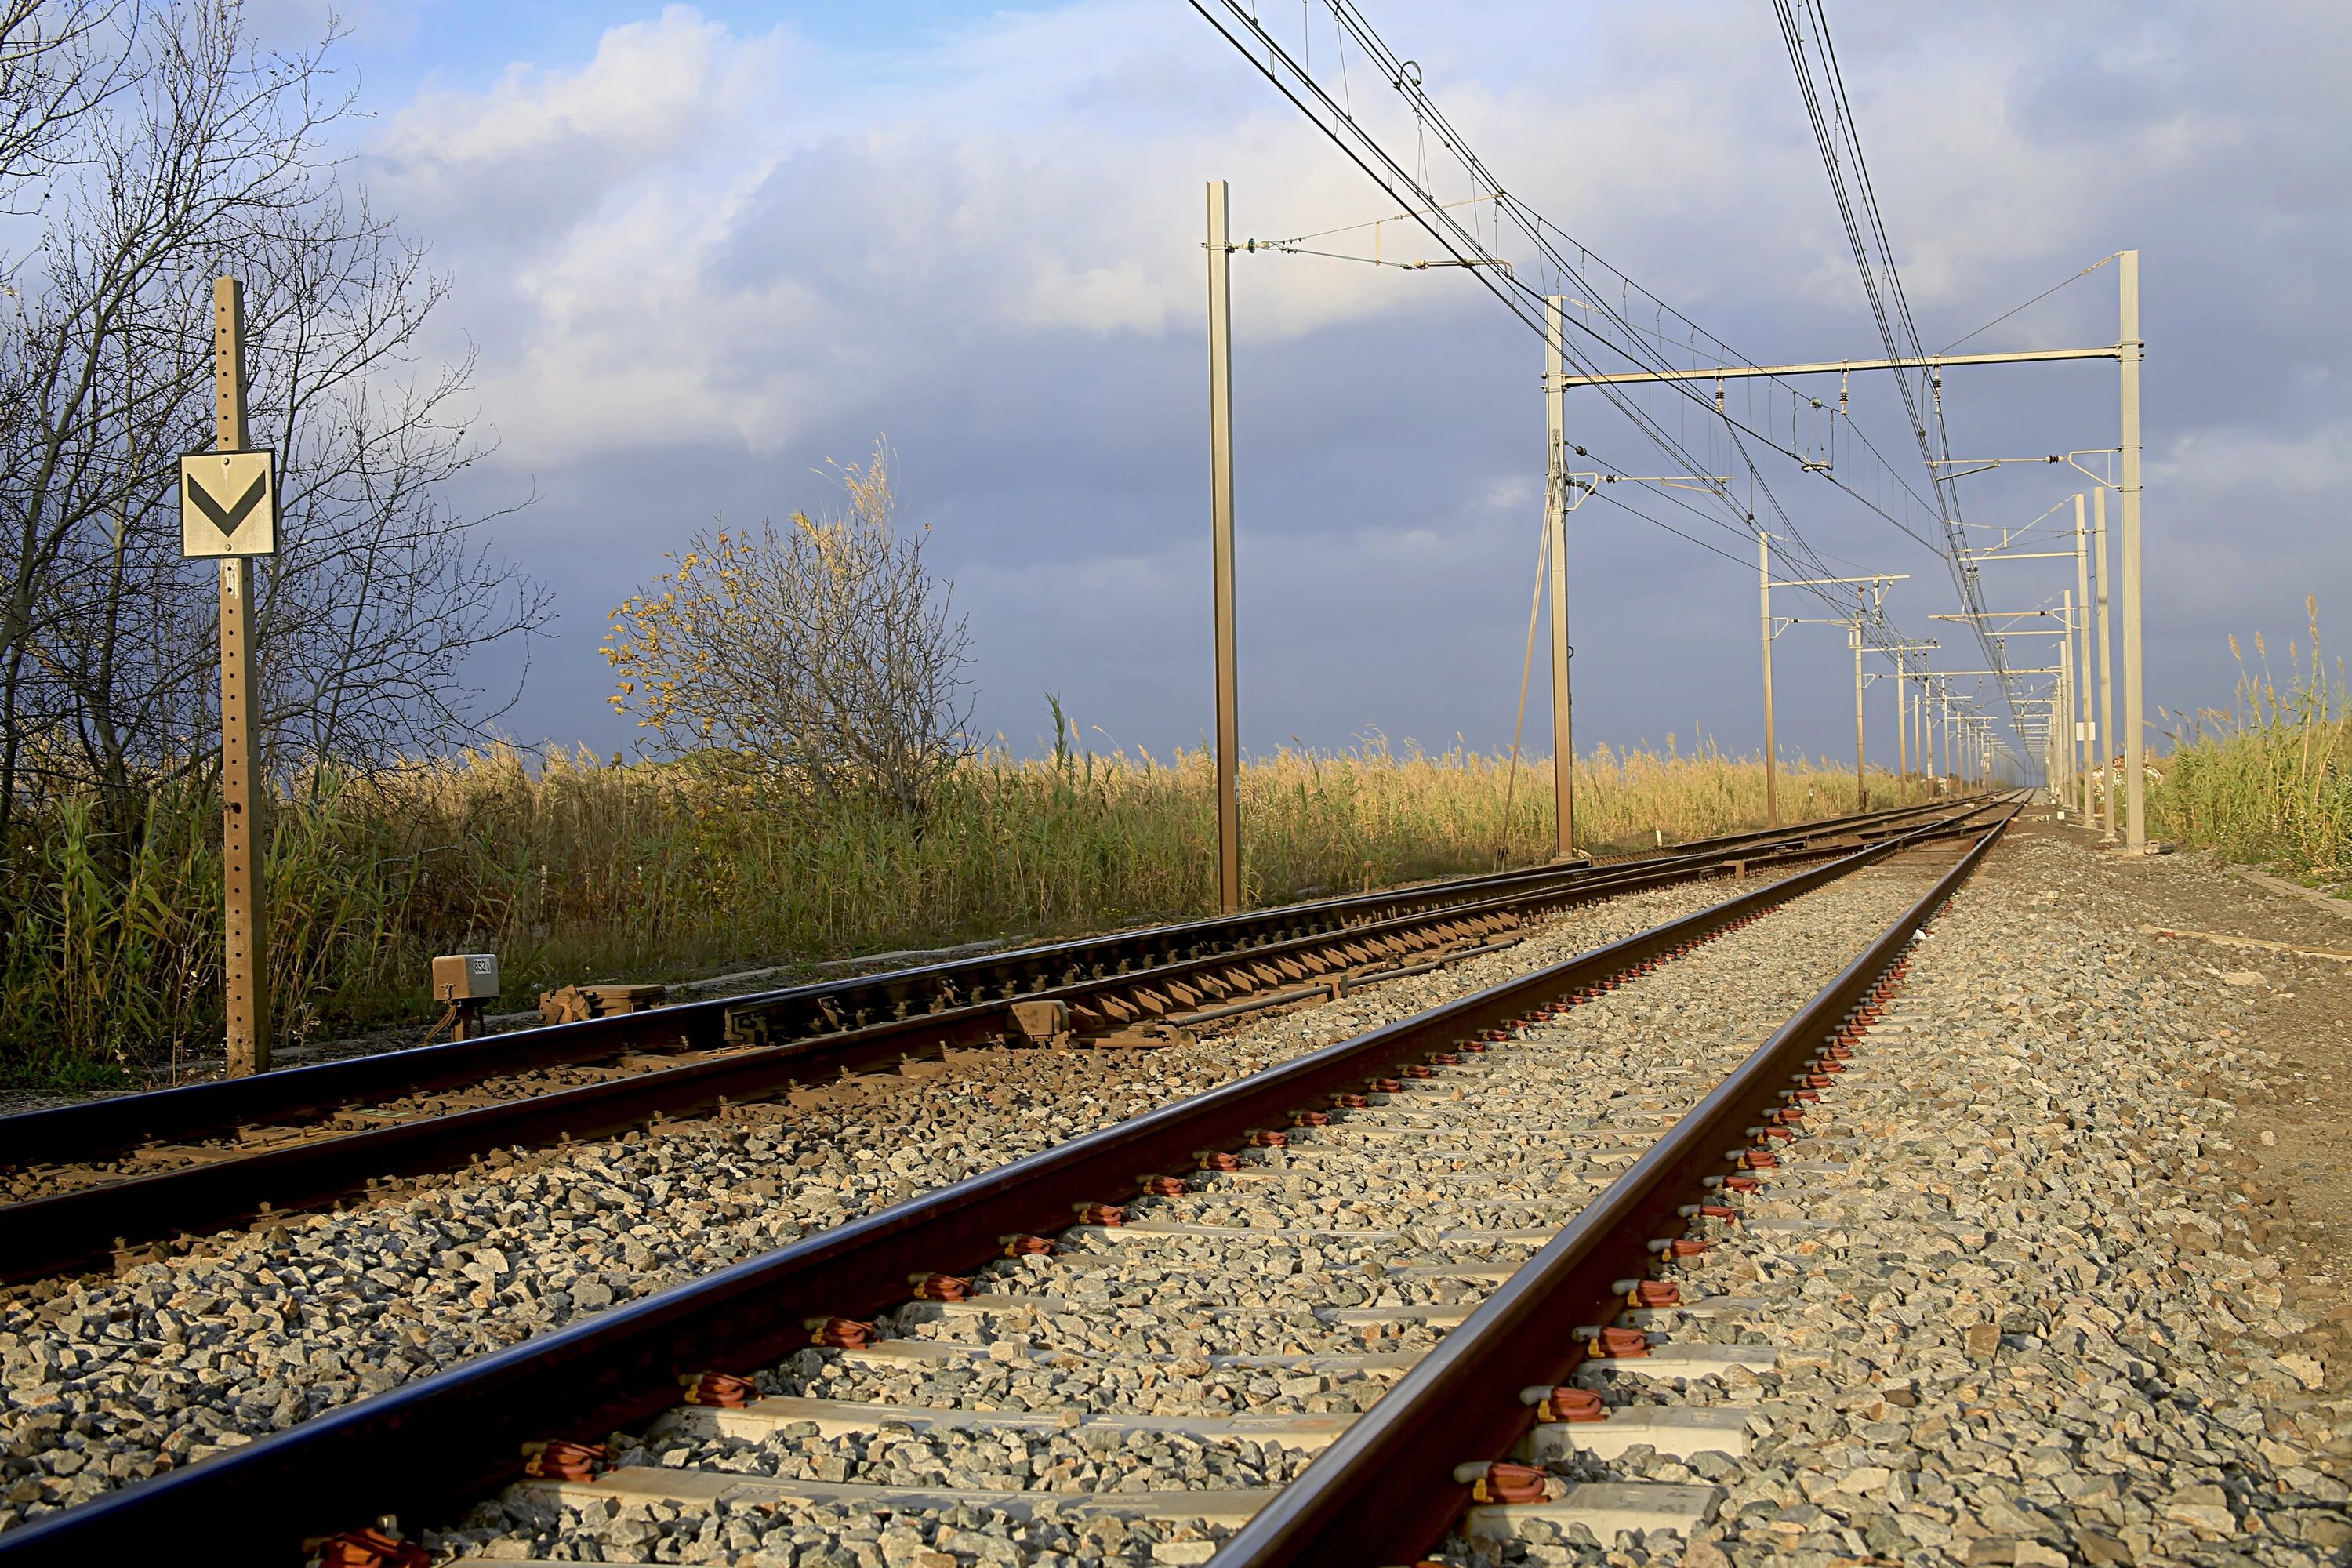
(2264, 782)
(574, 871)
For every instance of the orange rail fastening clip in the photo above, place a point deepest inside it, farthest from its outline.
(1562, 1404)
(1501, 1481)
(838, 1333)
(556, 1461)
(365, 1549)
(1616, 1343)
(718, 1390)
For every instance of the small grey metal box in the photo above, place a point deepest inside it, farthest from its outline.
(465, 976)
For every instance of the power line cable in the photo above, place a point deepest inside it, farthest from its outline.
(1348, 134)
(1872, 259)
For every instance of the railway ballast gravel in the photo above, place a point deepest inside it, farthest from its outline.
(104, 1379)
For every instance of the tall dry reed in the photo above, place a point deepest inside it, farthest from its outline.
(575, 871)
(2265, 779)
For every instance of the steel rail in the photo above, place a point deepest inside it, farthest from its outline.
(89, 1224)
(100, 1129)
(1385, 1492)
(426, 1450)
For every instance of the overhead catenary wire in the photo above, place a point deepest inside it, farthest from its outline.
(1342, 128)
(1240, 28)
(1365, 152)
(1858, 203)
(2020, 309)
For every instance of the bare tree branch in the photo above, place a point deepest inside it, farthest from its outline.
(824, 653)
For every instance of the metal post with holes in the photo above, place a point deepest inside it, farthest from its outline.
(2135, 718)
(1563, 702)
(1221, 509)
(244, 923)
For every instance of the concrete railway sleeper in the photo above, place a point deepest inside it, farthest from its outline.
(1267, 1256)
(113, 1215)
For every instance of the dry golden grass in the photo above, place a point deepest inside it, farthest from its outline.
(2269, 781)
(574, 870)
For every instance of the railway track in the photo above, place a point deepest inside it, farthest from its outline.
(137, 1177)
(1366, 1254)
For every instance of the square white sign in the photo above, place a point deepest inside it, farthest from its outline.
(229, 504)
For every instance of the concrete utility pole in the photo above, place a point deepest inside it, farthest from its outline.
(2127, 351)
(2106, 664)
(1870, 592)
(1764, 617)
(1901, 736)
(1563, 702)
(1917, 721)
(2135, 691)
(244, 923)
(1221, 522)
(2087, 728)
(1905, 752)
(2061, 707)
(1861, 757)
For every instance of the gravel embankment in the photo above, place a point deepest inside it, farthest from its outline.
(2034, 1327)
(106, 1380)
(1513, 1139)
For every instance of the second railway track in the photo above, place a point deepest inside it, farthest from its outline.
(1145, 1334)
(108, 1179)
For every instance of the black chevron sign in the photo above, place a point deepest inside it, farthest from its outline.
(229, 504)
(229, 520)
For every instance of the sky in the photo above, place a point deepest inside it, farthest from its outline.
(701, 252)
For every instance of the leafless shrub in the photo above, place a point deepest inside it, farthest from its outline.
(823, 653)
